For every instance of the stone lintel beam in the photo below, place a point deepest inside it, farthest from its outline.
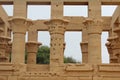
(115, 16)
(3, 16)
(108, 2)
(67, 2)
(6, 1)
(75, 24)
(56, 21)
(4, 21)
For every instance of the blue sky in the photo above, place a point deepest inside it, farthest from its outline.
(72, 39)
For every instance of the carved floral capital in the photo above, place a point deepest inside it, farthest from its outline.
(20, 24)
(32, 46)
(94, 25)
(56, 26)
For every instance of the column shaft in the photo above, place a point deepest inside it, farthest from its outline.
(56, 49)
(18, 48)
(94, 40)
(19, 27)
(57, 29)
(84, 45)
(31, 58)
(94, 48)
(84, 49)
(32, 48)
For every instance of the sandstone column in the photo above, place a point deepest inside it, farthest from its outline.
(84, 44)
(113, 49)
(117, 31)
(4, 40)
(110, 51)
(94, 40)
(84, 49)
(8, 51)
(57, 29)
(32, 45)
(19, 26)
(32, 48)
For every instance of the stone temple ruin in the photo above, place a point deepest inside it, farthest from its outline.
(91, 27)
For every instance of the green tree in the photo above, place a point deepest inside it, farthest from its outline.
(43, 56)
(69, 60)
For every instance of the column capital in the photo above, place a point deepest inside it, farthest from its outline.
(94, 25)
(9, 47)
(109, 48)
(93, 21)
(56, 26)
(117, 31)
(114, 42)
(20, 24)
(112, 38)
(4, 40)
(32, 46)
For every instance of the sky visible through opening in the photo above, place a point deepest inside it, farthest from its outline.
(72, 39)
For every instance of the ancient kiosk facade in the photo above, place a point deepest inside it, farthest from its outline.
(91, 27)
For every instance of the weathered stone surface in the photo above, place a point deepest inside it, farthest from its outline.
(92, 26)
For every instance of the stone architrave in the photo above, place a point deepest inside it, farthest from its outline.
(19, 26)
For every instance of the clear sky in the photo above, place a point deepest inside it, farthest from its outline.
(72, 39)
